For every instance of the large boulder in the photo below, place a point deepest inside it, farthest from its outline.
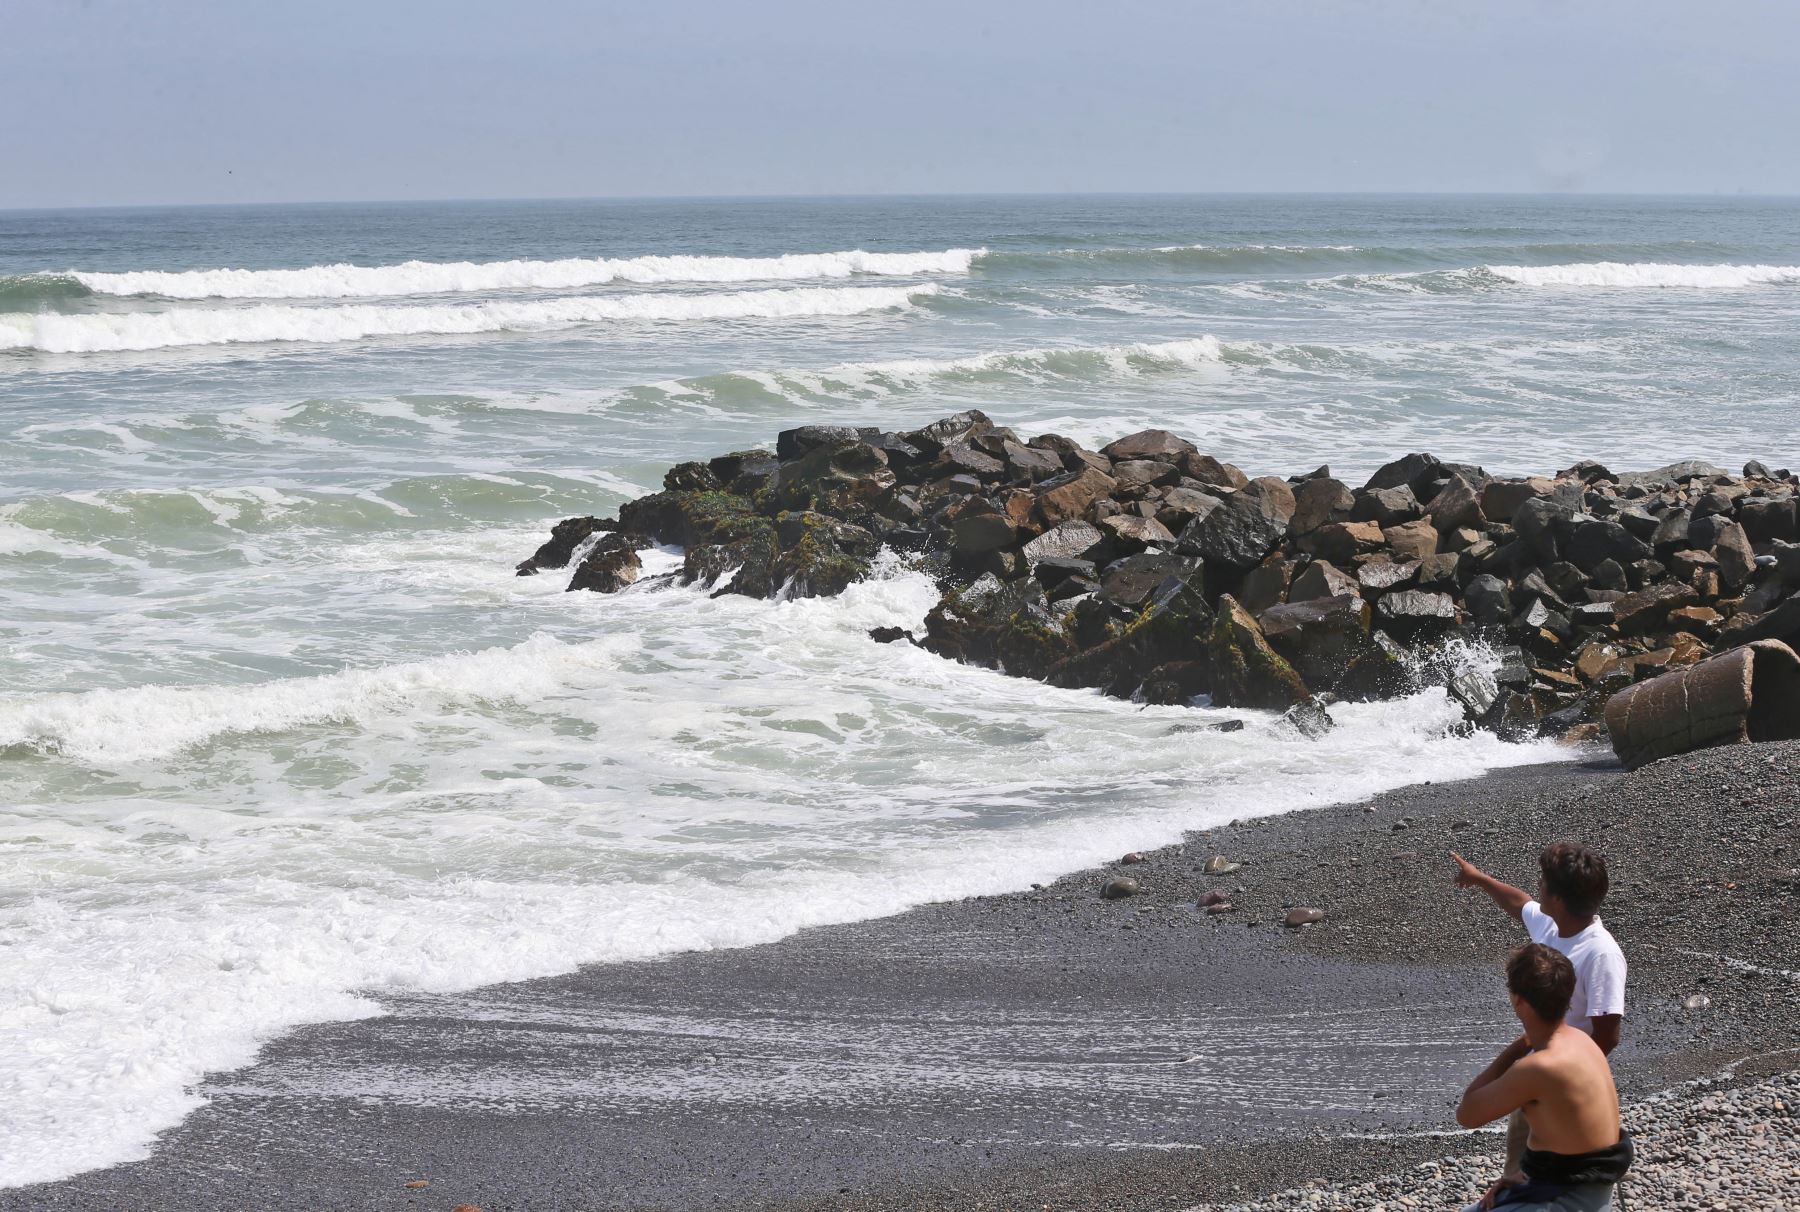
(1075, 540)
(1072, 494)
(1320, 638)
(1318, 502)
(609, 566)
(846, 479)
(1246, 671)
(1243, 529)
(565, 537)
(1148, 444)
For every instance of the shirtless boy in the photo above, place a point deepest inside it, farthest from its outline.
(1559, 1078)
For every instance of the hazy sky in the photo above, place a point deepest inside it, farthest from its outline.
(128, 101)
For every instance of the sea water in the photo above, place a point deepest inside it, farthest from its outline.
(281, 730)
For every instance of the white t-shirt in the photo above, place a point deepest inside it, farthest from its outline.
(1599, 966)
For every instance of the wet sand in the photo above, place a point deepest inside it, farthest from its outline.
(1043, 1049)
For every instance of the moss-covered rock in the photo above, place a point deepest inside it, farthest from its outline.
(1246, 672)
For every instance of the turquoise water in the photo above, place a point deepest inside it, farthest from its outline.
(279, 729)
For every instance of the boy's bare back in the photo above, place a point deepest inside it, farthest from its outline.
(1575, 1106)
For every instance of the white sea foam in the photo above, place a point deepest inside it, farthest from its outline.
(109, 332)
(109, 727)
(176, 928)
(437, 277)
(1648, 274)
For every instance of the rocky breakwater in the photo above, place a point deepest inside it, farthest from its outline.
(1150, 569)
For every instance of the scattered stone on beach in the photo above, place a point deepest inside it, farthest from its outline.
(1304, 916)
(418, 1184)
(1215, 897)
(1696, 1001)
(1133, 858)
(1119, 888)
(1218, 864)
(1218, 907)
(1148, 569)
(1697, 1147)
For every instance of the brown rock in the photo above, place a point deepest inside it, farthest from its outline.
(1342, 542)
(1737, 562)
(1319, 502)
(1214, 910)
(1322, 579)
(1500, 499)
(1702, 620)
(1247, 672)
(1303, 917)
(1649, 608)
(1266, 585)
(1134, 531)
(1412, 540)
(1457, 504)
(1071, 495)
(1119, 888)
(1210, 471)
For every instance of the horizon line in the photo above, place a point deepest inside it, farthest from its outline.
(893, 196)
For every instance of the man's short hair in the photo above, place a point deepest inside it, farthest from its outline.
(1576, 874)
(1543, 977)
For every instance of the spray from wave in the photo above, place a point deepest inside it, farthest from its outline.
(435, 277)
(113, 332)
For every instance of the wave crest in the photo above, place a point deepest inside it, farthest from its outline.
(112, 332)
(1647, 274)
(434, 277)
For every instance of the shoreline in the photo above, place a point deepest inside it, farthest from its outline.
(1044, 1047)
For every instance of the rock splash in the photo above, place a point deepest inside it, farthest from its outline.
(1150, 569)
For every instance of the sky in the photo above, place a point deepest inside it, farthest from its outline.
(121, 102)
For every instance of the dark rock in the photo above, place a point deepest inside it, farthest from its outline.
(1540, 524)
(1176, 682)
(1266, 585)
(1133, 859)
(1309, 719)
(1489, 602)
(1413, 612)
(1118, 888)
(1182, 505)
(1737, 561)
(1129, 582)
(1388, 506)
(1029, 463)
(1500, 499)
(1456, 505)
(1379, 575)
(1055, 569)
(691, 477)
(960, 458)
(791, 444)
(1319, 638)
(845, 479)
(1143, 473)
(1241, 531)
(1593, 541)
(1669, 476)
(976, 533)
(1068, 541)
(1148, 444)
(1647, 609)
(1210, 472)
(889, 635)
(1770, 521)
(1587, 471)
(1322, 579)
(1318, 502)
(1247, 672)
(565, 537)
(1414, 471)
(1215, 897)
(609, 566)
(745, 472)
(963, 427)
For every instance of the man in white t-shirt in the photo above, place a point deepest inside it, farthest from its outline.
(1565, 916)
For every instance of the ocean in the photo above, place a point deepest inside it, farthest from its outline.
(281, 730)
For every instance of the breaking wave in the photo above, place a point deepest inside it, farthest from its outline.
(863, 380)
(97, 333)
(1647, 274)
(435, 277)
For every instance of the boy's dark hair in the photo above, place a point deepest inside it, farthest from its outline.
(1576, 874)
(1544, 977)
